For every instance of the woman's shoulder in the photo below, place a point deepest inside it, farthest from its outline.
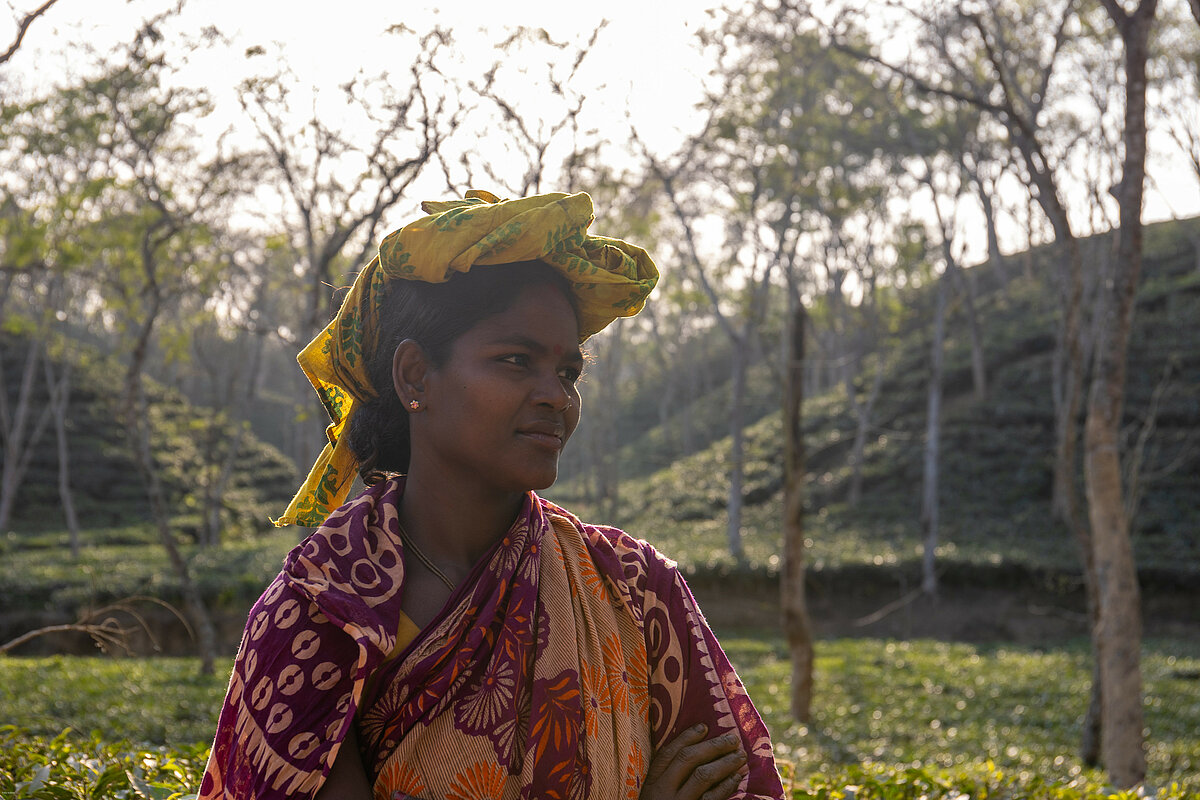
(355, 555)
(618, 553)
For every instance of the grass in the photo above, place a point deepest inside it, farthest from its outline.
(892, 719)
(961, 707)
(128, 560)
(156, 701)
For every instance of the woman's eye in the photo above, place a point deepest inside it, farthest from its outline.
(516, 359)
(570, 374)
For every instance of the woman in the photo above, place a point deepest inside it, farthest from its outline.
(448, 633)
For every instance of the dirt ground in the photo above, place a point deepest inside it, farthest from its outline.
(1024, 613)
(1021, 615)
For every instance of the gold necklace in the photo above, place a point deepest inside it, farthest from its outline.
(424, 559)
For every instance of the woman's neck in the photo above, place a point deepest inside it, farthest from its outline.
(455, 525)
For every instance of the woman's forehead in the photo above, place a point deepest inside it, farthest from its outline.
(539, 317)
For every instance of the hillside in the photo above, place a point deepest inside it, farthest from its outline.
(996, 454)
(1008, 570)
(106, 488)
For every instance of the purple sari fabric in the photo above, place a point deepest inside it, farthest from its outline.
(570, 654)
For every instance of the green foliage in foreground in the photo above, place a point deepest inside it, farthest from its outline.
(65, 768)
(965, 714)
(60, 768)
(892, 720)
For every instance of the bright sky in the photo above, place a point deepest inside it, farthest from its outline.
(646, 64)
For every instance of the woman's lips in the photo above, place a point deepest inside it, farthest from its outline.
(549, 435)
(544, 439)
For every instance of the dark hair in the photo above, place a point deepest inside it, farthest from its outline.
(434, 315)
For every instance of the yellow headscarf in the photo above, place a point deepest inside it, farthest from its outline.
(609, 278)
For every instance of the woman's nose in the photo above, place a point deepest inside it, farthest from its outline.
(552, 393)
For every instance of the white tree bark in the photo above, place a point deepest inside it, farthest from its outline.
(21, 431)
(930, 504)
(60, 397)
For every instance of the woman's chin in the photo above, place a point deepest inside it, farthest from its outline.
(543, 480)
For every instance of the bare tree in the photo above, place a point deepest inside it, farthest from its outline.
(21, 425)
(1015, 89)
(1118, 632)
(931, 484)
(59, 390)
(545, 139)
(1002, 61)
(738, 318)
(952, 269)
(335, 189)
(229, 360)
(149, 244)
(1178, 94)
(793, 600)
(851, 251)
(804, 190)
(23, 27)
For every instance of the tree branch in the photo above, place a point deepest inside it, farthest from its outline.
(22, 27)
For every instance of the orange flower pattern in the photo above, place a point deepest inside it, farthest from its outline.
(398, 777)
(479, 782)
(554, 671)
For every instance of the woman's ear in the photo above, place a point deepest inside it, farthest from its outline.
(409, 367)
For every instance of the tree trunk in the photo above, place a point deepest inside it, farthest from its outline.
(978, 361)
(1067, 394)
(19, 438)
(1069, 368)
(138, 428)
(1118, 633)
(215, 496)
(608, 472)
(796, 624)
(737, 448)
(933, 424)
(862, 414)
(6, 279)
(238, 403)
(60, 398)
(1119, 629)
(993, 239)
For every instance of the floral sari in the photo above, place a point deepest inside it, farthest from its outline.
(570, 654)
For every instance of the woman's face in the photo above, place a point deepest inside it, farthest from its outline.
(500, 409)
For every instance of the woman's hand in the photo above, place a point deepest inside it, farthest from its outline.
(690, 767)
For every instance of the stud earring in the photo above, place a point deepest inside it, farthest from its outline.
(414, 405)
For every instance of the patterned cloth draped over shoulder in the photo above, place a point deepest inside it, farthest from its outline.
(609, 278)
(555, 671)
